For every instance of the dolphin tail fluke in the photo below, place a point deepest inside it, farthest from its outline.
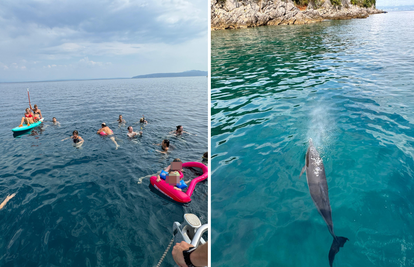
(303, 170)
(337, 243)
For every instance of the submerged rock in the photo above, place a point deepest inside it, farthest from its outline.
(234, 14)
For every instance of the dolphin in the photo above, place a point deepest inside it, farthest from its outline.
(318, 188)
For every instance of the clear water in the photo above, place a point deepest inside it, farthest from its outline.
(84, 207)
(349, 86)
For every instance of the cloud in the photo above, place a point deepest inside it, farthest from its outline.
(3, 66)
(89, 48)
(120, 36)
(86, 62)
(168, 21)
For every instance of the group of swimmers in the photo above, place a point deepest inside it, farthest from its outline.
(33, 115)
(106, 131)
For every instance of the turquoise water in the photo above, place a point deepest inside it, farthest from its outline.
(349, 86)
(84, 207)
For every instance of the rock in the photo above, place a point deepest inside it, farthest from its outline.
(234, 14)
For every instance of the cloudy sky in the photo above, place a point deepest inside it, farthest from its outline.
(73, 39)
(394, 2)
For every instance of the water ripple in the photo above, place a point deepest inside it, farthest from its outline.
(346, 84)
(84, 207)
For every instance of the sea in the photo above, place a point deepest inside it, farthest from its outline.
(348, 85)
(93, 205)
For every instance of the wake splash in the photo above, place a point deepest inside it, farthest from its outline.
(321, 126)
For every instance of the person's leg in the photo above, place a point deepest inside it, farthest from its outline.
(6, 200)
(21, 122)
(113, 139)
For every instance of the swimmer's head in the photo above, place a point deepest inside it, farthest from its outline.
(130, 129)
(120, 117)
(179, 128)
(75, 133)
(205, 155)
(103, 124)
(166, 142)
(54, 119)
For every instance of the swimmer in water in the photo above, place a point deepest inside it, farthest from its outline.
(28, 118)
(55, 122)
(179, 131)
(165, 146)
(105, 130)
(205, 156)
(6, 200)
(143, 120)
(121, 120)
(76, 138)
(131, 132)
(36, 112)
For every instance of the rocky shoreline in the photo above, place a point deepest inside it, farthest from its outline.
(236, 14)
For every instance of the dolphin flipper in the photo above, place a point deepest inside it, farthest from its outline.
(337, 243)
(303, 170)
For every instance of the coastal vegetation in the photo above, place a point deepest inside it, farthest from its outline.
(301, 2)
(363, 3)
(319, 3)
(336, 2)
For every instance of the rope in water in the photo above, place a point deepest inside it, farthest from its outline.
(165, 253)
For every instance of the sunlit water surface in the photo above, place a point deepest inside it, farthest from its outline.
(84, 207)
(349, 86)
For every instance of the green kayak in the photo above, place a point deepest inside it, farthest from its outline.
(25, 127)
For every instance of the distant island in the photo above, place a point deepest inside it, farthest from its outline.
(397, 8)
(190, 73)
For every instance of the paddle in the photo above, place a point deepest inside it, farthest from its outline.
(28, 95)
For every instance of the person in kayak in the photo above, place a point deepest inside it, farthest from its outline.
(76, 138)
(37, 113)
(165, 146)
(105, 130)
(131, 132)
(28, 118)
(121, 120)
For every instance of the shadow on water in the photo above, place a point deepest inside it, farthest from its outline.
(22, 133)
